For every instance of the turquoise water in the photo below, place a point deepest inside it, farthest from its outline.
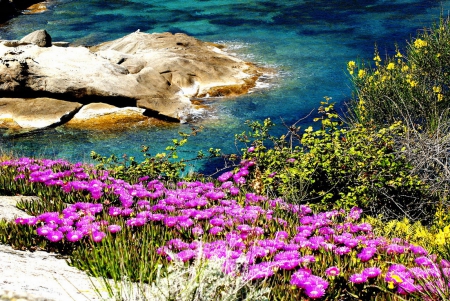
(308, 43)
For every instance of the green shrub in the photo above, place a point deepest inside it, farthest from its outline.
(338, 167)
(161, 165)
(412, 86)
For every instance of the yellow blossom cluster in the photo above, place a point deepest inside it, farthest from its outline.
(419, 43)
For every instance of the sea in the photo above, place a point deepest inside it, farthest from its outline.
(306, 44)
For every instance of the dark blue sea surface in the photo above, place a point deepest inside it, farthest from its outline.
(308, 43)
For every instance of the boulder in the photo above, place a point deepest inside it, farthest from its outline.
(39, 37)
(156, 72)
(105, 117)
(8, 207)
(198, 68)
(36, 113)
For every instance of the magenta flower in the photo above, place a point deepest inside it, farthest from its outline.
(186, 255)
(114, 228)
(215, 230)
(314, 292)
(225, 176)
(358, 278)
(282, 235)
(170, 221)
(44, 230)
(114, 211)
(217, 222)
(288, 264)
(197, 230)
(407, 287)
(98, 236)
(55, 236)
(395, 249)
(366, 254)
(65, 229)
(299, 277)
(342, 250)
(260, 270)
(74, 236)
(423, 261)
(307, 259)
(136, 222)
(371, 272)
(332, 271)
(355, 213)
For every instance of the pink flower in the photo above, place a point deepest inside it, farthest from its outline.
(358, 278)
(372, 272)
(74, 236)
(114, 228)
(314, 292)
(332, 271)
(98, 236)
(55, 236)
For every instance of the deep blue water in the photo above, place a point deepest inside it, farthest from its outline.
(308, 43)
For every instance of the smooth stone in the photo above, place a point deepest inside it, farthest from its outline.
(39, 37)
(101, 116)
(36, 113)
(8, 206)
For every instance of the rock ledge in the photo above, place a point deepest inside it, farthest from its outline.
(157, 72)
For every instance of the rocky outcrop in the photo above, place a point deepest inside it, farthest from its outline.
(155, 72)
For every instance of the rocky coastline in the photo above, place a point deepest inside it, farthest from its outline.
(44, 83)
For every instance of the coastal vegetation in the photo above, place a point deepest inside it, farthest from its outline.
(352, 208)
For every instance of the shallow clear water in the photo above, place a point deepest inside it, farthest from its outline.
(307, 42)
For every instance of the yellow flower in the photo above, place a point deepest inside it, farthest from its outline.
(361, 73)
(391, 66)
(437, 89)
(397, 278)
(377, 58)
(405, 68)
(351, 66)
(398, 54)
(420, 43)
(413, 83)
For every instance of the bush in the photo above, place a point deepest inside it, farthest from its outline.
(413, 87)
(161, 165)
(338, 167)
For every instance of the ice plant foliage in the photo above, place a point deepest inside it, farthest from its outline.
(319, 254)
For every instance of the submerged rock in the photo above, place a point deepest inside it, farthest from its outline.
(155, 72)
